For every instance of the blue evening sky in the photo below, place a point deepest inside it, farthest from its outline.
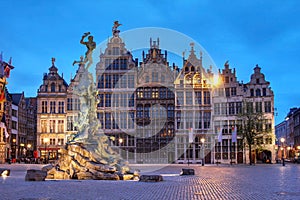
(244, 32)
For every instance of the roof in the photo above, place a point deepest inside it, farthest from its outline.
(16, 97)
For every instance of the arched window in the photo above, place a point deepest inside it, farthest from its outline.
(258, 92)
(52, 87)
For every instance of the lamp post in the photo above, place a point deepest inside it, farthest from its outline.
(29, 150)
(46, 140)
(202, 140)
(282, 150)
(120, 144)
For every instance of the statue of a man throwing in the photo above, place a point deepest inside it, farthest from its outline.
(90, 45)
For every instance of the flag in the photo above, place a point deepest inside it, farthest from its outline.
(2, 125)
(234, 134)
(220, 134)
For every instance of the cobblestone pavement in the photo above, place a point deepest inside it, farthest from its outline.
(209, 182)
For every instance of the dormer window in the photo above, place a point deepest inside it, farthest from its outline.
(257, 81)
(258, 92)
(52, 87)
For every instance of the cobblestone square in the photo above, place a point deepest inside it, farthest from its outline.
(209, 182)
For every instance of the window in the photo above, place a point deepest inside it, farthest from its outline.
(162, 93)
(188, 120)
(233, 91)
(61, 107)
(170, 111)
(258, 107)
(14, 125)
(231, 108)
(116, 51)
(227, 92)
(239, 106)
(69, 103)
(61, 127)
(226, 79)
(52, 126)
(139, 113)
(107, 81)
(217, 108)
(268, 106)
(206, 98)
(108, 63)
(198, 120)
(258, 92)
(59, 88)
(154, 93)
(115, 80)
(147, 111)
(52, 106)
(131, 100)
(223, 108)
(154, 77)
(44, 106)
(52, 141)
(52, 87)
(107, 120)
(257, 81)
(198, 98)
(124, 101)
(147, 93)
(206, 119)
(179, 98)
(107, 100)
(123, 63)
(14, 113)
(130, 81)
(116, 64)
(60, 141)
(264, 92)
(251, 92)
(70, 125)
(44, 126)
(249, 107)
(162, 78)
(100, 82)
(147, 79)
(124, 81)
(140, 93)
(188, 98)
(101, 100)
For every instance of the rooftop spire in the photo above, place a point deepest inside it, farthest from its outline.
(53, 61)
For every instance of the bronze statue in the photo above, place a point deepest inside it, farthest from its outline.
(115, 30)
(90, 45)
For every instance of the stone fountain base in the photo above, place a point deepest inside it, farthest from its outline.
(77, 162)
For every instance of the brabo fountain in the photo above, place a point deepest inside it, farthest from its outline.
(87, 155)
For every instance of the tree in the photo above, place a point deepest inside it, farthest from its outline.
(252, 126)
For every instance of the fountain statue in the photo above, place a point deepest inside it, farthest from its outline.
(87, 154)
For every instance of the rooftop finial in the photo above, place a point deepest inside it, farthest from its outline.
(115, 30)
(53, 61)
(226, 63)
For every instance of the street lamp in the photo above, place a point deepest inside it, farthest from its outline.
(202, 140)
(46, 140)
(282, 150)
(28, 149)
(120, 144)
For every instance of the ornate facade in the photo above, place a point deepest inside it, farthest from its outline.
(193, 88)
(116, 83)
(51, 114)
(155, 108)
